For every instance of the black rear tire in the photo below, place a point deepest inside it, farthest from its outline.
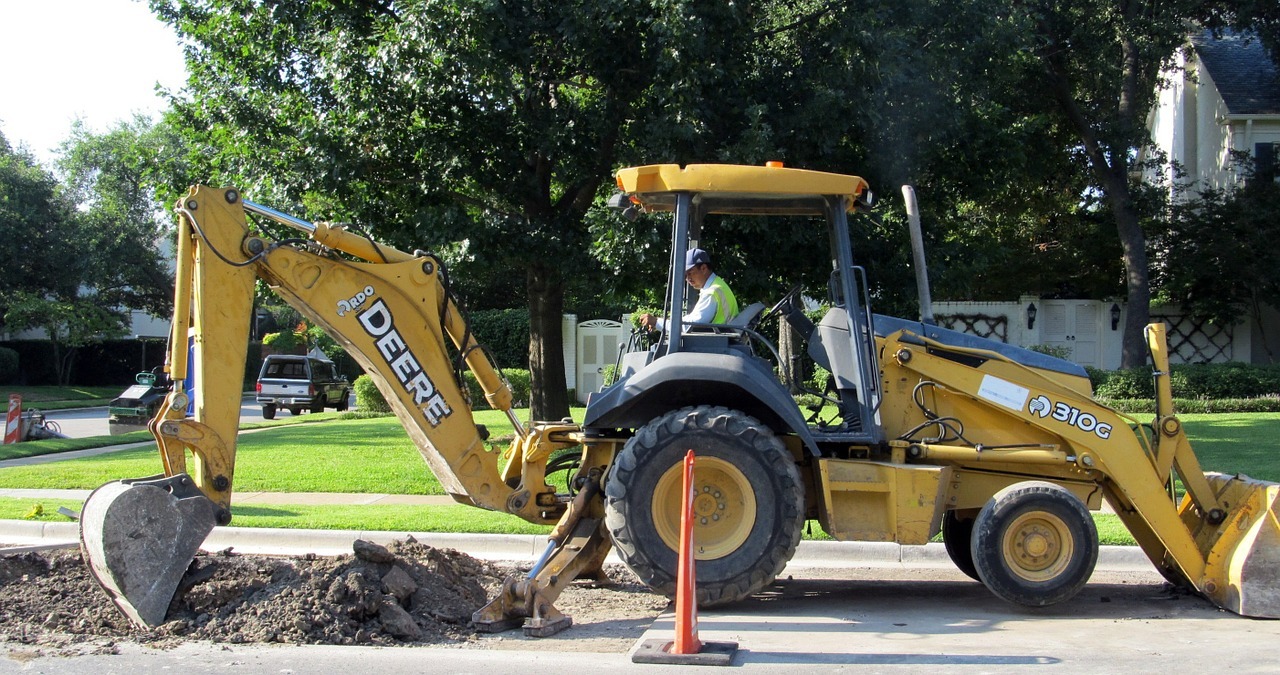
(317, 404)
(344, 401)
(295, 411)
(268, 412)
(957, 536)
(1034, 544)
(749, 508)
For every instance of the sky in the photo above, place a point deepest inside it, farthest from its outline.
(98, 60)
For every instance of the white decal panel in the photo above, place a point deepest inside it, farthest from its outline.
(1005, 393)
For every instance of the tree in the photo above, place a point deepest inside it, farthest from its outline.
(35, 224)
(486, 128)
(79, 256)
(1090, 68)
(1217, 258)
(125, 180)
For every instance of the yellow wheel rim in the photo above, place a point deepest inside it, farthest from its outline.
(724, 510)
(1038, 546)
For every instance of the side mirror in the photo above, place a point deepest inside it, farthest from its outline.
(621, 202)
(866, 201)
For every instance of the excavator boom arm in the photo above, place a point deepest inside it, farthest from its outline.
(391, 311)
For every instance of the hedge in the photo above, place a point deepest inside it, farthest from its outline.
(1187, 406)
(104, 363)
(1191, 381)
(505, 333)
(369, 398)
(8, 366)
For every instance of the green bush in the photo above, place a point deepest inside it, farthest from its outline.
(818, 380)
(368, 398)
(505, 333)
(1056, 351)
(1140, 406)
(1191, 381)
(8, 365)
(520, 388)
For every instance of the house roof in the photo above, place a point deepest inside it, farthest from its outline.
(1247, 78)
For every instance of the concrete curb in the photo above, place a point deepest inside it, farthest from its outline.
(810, 554)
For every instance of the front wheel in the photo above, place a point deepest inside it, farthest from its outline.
(344, 401)
(1034, 544)
(748, 508)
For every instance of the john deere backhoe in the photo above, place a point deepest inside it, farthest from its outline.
(1001, 449)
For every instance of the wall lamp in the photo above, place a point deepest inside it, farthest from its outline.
(1031, 315)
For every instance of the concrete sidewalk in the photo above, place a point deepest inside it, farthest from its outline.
(827, 554)
(252, 498)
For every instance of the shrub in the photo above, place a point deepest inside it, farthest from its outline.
(368, 398)
(1141, 406)
(818, 380)
(8, 365)
(1056, 351)
(1191, 381)
(520, 388)
(505, 333)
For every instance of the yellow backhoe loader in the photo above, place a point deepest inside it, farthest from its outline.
(1001, 449)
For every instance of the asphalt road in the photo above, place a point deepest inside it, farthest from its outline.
(85, 422)
(894, 619)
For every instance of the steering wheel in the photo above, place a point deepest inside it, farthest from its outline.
(778, 306)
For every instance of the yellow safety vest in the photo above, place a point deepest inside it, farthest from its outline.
(726, 303)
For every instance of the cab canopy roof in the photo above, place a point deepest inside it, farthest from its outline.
(731, 188)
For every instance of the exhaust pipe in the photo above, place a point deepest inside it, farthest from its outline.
(917, 255)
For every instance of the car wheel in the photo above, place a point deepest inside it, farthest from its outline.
(317, 404)
(268, 412)
(344, 401)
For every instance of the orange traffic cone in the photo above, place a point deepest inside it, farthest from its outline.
(687, 641)
(687, 648)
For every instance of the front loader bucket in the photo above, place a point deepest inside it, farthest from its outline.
(139, 537)
(1242, 570)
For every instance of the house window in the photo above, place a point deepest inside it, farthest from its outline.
(1266, 161)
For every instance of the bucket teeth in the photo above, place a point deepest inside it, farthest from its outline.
(139, 537)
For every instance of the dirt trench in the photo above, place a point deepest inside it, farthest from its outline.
(407, 593)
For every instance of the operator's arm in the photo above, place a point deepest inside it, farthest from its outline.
(703, 312)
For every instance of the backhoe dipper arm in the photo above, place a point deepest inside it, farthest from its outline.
(391, 314)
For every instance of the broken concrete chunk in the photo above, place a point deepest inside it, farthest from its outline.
(396, 621)
(371, 552)
(397, 582)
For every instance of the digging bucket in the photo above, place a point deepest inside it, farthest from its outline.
(139, 537)
(1242, 565)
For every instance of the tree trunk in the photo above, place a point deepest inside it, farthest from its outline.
(1137, 282)
(549, 397)
(1110, 164)
(789, 346)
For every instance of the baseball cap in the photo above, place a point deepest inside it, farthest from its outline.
(694, 257)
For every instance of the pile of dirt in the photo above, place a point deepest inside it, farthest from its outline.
(405, 593)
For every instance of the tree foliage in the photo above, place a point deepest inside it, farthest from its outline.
(82, 253)
(1217, 258)
(487, 129)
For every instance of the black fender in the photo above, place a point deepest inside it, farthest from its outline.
(683, 379)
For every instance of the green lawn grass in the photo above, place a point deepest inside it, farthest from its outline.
(62, 398)
(375, 456)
